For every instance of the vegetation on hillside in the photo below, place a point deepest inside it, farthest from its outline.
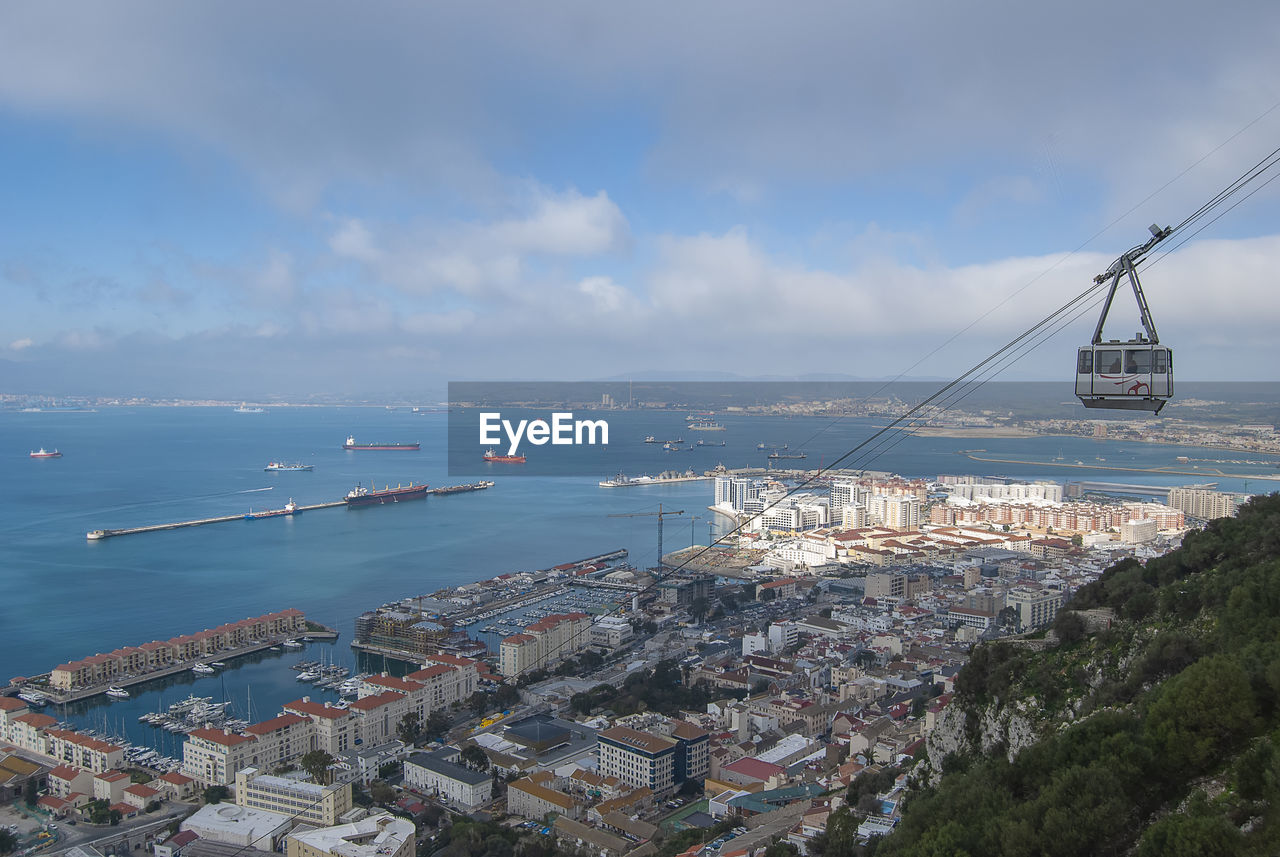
(1161, 734)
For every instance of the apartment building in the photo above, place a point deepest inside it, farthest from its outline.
(308, 802)
(545, 643)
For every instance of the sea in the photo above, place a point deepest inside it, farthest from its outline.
(63, 597)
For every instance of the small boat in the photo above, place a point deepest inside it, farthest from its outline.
(203, 669)
(218, 664)
(45, 453)
(292, 644)
(33, 697)
(118, 692)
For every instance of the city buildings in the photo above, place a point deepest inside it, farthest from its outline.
(544, 643)
(303, 801)
(440, 774)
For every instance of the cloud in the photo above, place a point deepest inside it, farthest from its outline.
(479, 258)
(21, 344)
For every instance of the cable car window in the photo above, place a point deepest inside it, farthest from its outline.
(1085, 366)
(1137, 362)
(1109, 362)
(1159, 362)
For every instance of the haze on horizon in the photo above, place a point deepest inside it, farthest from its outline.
(240, 200)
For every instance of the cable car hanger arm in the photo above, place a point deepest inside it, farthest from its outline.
(1127, 265)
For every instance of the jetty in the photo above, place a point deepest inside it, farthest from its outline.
(96, 535)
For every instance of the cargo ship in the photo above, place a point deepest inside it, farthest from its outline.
(361, 496)
(490, 455)
(351, 444)
(280, 465)
(44, 453)
(289, 509)
(705, 425)
(777, 455)
(455, 489)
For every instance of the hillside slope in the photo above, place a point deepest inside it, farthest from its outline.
(1158, 736)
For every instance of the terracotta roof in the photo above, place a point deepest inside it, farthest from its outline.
(83, 740)
(317, 709)
(543, 793)
(394, 683)
(638, 740)
(8, 703)
(369, 703)
(431, 672)
(140, 790)
(751, 767)
(519, 638)
(66, 772)
(36, 719)
(176, 778)
(283, 721)
(218, 736)
(112, 776)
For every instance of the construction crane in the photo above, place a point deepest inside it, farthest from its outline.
(659, 515)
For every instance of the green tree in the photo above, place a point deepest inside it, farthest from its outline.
(474, 757)
(698, 608)
(781, 848)
(216, 794)
(316, 763)
(30, 794)
(438, 725)
(8, 842)
(382, 792)
(479, 702)
(1069, 626)
(409, 728)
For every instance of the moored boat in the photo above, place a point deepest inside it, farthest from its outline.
(361, 496)
(289, 509)
(118, 692)
(45, 453)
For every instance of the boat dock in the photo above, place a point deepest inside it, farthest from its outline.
(95, 535)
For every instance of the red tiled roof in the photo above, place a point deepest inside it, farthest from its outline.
(8, 703)
(112, 776)
(139, 790)
(431, 672)
(751, 767)
(283, 721)
(369, 703)
(316, 709)
(218, 736)
(36, 719)
(176, 778)
(65, 772)
(394, 683)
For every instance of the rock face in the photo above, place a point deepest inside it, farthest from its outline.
(1008, 727)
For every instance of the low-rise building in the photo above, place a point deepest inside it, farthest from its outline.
(439, 773)
(529, 799)
(304, 801)
(381, 835)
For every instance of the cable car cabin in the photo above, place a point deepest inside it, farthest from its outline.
(1136, 375)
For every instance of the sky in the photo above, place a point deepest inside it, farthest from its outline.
(246, 200)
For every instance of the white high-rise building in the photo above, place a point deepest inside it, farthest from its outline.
(898, 512)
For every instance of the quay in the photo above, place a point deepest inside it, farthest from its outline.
(1214, 472)
(95, 535)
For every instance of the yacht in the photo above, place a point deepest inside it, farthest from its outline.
(292, 644)
(203, 669)
(117, 691)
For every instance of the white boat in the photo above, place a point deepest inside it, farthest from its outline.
(203, 669)
(308, 675)
(33, 697)
(118, 692)
(292, 644)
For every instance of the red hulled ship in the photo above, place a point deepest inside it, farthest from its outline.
(490, 455)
